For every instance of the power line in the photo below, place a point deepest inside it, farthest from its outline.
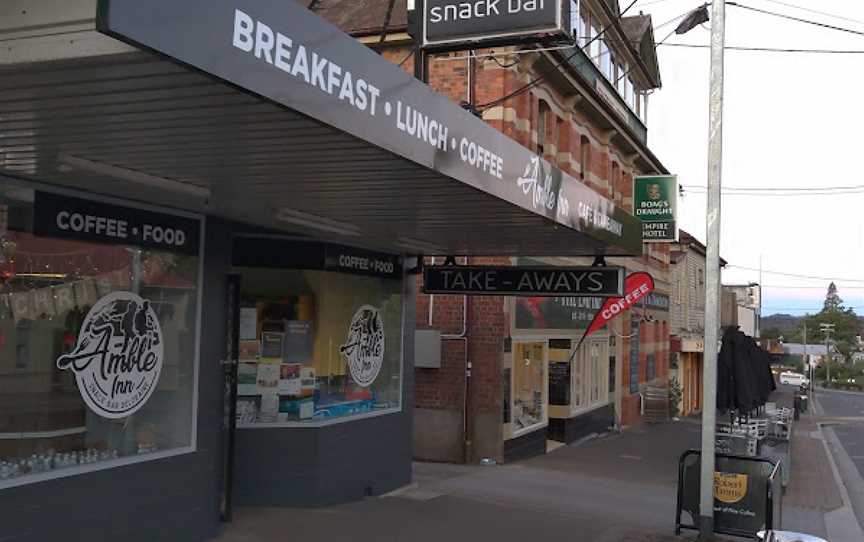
(774, 194)
(790, 287)
(781, 189)
(770, 49)
(784, 274)
(531, 84)
(797, 19)
(816, 11)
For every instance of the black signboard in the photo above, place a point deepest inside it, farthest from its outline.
(743, 493)
(556, 312)
(634, 355)
(87, 220)
(657, 302)
(559, 383)
(293, 254)
(280, 51)
(447, 22)
(533, 281)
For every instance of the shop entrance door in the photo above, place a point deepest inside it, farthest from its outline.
(229, 400)
(529, 385)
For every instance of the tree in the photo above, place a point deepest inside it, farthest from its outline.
(846, 324)
(833, 303)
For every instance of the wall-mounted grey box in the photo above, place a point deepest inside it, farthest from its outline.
(427, 349)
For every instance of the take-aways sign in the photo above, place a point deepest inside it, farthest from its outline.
(533, 281)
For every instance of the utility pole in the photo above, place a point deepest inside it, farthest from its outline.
(827, 329)
(712, 271)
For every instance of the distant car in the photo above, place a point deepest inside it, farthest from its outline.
(794, 379)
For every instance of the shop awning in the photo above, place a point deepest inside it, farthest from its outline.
(270, 115)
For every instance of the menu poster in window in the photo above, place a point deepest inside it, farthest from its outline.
(299, 342)
(634, 355)
(271, 347)
(289, 379)
(559, 383)
(248, 324)
(247, 379)
(269, 412)
(249, 350)
(268, 378)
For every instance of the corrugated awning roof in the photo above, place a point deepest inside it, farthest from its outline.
(265, 145)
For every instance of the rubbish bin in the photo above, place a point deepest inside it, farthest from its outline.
(804, 402)
(796, 408)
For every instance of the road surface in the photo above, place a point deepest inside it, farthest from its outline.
(838, 404)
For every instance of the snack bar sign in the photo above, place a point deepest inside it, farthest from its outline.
(524, 281)
(447, 22)
(655, 203)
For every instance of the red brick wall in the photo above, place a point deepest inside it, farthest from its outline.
(488, 325)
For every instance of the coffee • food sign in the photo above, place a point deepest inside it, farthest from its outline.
(534, 281)
(448, 22)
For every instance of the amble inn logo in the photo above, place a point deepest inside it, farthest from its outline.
(364, 348)
(118, 357)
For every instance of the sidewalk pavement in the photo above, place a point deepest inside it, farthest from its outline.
(618, 488)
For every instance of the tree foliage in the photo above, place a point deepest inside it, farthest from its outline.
(846, 324)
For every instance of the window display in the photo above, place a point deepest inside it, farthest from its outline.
(529, 385)
(317, 346)
(98, 339)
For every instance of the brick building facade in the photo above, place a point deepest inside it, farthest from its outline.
(585, 112)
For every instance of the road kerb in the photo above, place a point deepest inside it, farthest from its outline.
(842, 524)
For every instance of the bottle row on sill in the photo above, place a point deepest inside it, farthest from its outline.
(53, 460)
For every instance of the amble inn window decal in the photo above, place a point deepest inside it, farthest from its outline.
(118, 357)
(364, 347)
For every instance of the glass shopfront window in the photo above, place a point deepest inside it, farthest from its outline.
(591, 374)
(98, 339)
(529, 387)
(317, 346)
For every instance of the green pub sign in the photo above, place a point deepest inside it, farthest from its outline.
(655, 203)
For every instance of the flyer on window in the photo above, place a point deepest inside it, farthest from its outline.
(248, 323)
(271, 347)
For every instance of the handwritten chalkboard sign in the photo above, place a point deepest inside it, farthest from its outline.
(559, 383)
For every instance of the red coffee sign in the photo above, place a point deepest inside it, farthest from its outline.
(636, 287)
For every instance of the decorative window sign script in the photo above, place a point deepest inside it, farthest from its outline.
(454, 21)
(524, 281)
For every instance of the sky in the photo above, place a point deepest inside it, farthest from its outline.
(790, 120)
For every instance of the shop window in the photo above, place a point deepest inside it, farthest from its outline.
(317, 346)
(605, 60)
(529, 389)
(621, 80)
(543, 113)
(612, 363)
(98, 340)
(585, 159)
(591, 375)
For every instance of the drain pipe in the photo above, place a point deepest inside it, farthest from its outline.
(463, 337)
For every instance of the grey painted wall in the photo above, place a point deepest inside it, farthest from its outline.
(331, 464)
(167, 500)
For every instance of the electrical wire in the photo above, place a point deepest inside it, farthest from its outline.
(781, 189)
(528, 86)
(797, 19)
(795, 275)
(770, 49)
(817, 12)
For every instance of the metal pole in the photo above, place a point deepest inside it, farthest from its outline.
(712, 269)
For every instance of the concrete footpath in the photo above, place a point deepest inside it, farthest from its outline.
(619, 488)
(616, 489)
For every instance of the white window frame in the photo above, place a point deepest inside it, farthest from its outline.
(77, 470)
(591, 362)
(538, 339)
